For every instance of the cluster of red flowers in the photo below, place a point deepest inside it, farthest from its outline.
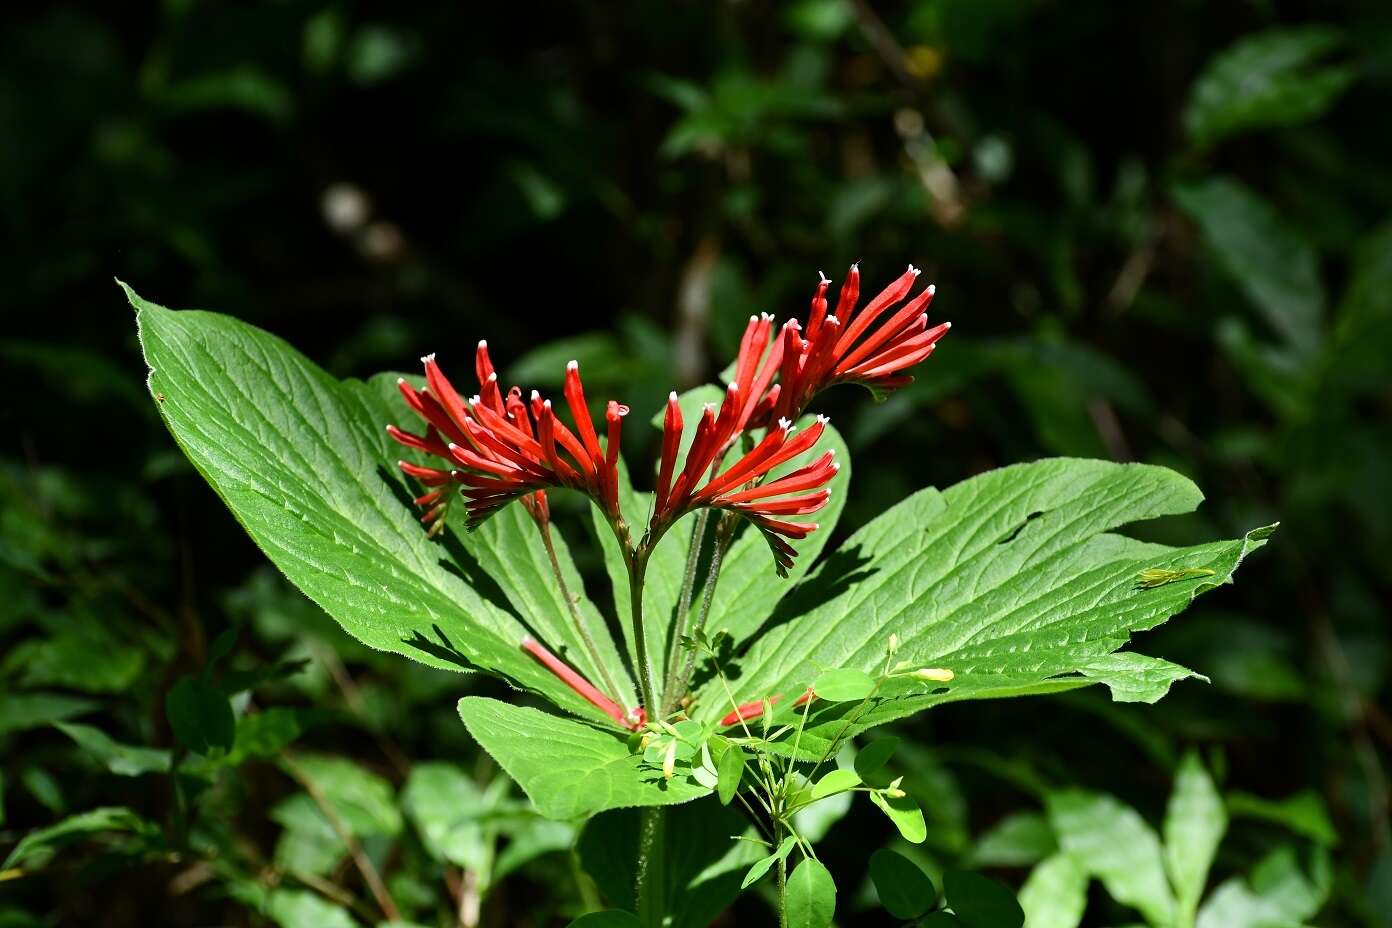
(503, 449)
(499, 448)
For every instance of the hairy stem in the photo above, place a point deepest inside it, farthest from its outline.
(724, 537)
(611, 688)
(652, 867)
(782, 881)
(682, 617)
(637, 569)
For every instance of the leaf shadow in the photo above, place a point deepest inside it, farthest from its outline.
(836, 575)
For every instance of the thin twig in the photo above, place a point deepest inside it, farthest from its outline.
(360, 859)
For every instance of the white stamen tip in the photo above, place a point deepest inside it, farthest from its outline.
(824, 279)
(947, 325)
(823, 419)
(914, 270)
(932, 288)
(428, 358)
(475, 400)
(766, 317)
(572, 365)
(483, 343)
(546, 404)
(536, 395)
(732, 388)
(783, 423)
(672, 397)
(753, 318)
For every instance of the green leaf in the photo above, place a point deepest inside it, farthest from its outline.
(1277, 892)
(1012, 580)
(1113, 843)
(844, 685)
(761, 866)
(904, 889)
(22, 711)
(76, 827)
(1195, 822)
(835, 781)
(905, 814)
(566, 767)
(612, 918)
(981, 902)
(200, 715)
(870, 760)
(121, 759)
(731, 772)
(1135, 677)
(304, 463)
(363, 801)
(702, 866)
(446, 808)
(1018, 840)
(1304, 813)
(1266, 79)
(811, 896)
(1272, 262)
(300, 908)
(1055, 893)
(267, 733)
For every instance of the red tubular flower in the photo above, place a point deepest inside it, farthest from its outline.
(633, 720)
(839, 347)
(501, 448)
(737, 488)
(752, 710)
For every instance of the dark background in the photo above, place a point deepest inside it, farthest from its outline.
(1131, 274)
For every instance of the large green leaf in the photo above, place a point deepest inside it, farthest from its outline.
(304, 463)
(1266, 79)
(566, 767)
(1011, 580)
(1055, 894)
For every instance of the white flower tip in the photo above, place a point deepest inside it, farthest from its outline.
(452, 446)
(400, 380)
(932, 288)
(784, 424)
(536, 395)
(947, 325)
(915, 270)
(732, 388)
(527, 640)
(672, 397)
(753, 318)
(428, 358)
(833, 321)
(795, 325)
(823, 419)
(824, 279)
(400, 462)
(815, 525)
(573, 365)
(835, 466)
(546, 404)
(475, 400)
(766, 317)
(483, 343)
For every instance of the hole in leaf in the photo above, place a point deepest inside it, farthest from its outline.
(1019, 528)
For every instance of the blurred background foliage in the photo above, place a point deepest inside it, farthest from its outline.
(1163, 230)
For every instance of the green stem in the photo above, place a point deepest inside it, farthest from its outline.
(782, 881)
(637, 570)
(724, 536)
(591, 648)
(652, 867)
(682, 618)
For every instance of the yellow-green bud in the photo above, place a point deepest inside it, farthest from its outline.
(934, 674)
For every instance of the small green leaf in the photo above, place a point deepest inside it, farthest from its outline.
(94, 821)
(872, 758)
(612, 918)
(835, 781)
(981, 902)
(121, 759)
(1194, 825)
(811, 899)
(904, 889)
(1113, 843)
(730, 772)
(844, 685)
(905, 814)
(757, 870)
(1055, 894)
(200, 715)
